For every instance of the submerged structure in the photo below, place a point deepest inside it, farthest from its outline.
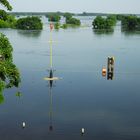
(110, 68)
(51, 77)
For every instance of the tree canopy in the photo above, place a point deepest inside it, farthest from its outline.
(68, 15)
(29, 23)
(104, 23)
(6, 4)
(130, 22)
(73, 21)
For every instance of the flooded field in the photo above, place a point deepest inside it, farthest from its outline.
(82, 98)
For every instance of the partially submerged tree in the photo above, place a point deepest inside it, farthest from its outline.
(130, 22)
(29, 23)
(104, 23)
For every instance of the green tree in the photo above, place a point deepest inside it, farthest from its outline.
(73, 21)
(104, 23)
(6, 4)
(6, 20)
(67, 15)
(130, 22)
(3, 15)
(9, 74)
(29, 23)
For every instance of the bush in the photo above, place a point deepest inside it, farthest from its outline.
(104, 23)
(4, 24)
(29, 23)
(67, 16)
(130, 22)
(57, 25)
(73, 21)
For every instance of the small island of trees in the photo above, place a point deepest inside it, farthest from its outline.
(104, 23)
(9, 74)
(29, 23)
(130, 22)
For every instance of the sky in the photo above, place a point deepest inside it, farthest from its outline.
(77, 6)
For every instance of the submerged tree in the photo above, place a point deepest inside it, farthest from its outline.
(8, 71)
(130, 22)
(104, 23)
(9, 74)
(73, 21)
(29, 23)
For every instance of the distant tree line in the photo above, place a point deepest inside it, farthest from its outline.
(69, 20)
(9, 21)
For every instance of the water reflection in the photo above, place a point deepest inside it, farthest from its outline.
(2, 86)
(130, 32)
(32, 33)
(103, 31)
(51, 106)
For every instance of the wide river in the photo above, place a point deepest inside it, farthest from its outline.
(82, 98)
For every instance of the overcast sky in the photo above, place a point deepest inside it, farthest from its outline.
(104, 6)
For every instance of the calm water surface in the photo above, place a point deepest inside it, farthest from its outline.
(108, 110)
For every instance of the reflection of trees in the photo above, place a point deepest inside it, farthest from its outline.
(33, 33)
(130, 32)
(103, 31)
(1, 91)
(9, 74)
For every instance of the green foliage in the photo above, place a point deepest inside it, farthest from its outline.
(104, 23)
(119, 17)
(9, 23)
(4, 24)
(53, 17)
(57, 25)
(8, 71)
(64, 26)
(5, 48)
(3, 15)
(67, 16)
(29, 23)
(73, 21)
(6, 4)
(130, 22)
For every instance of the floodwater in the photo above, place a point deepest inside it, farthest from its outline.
(82, 98)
